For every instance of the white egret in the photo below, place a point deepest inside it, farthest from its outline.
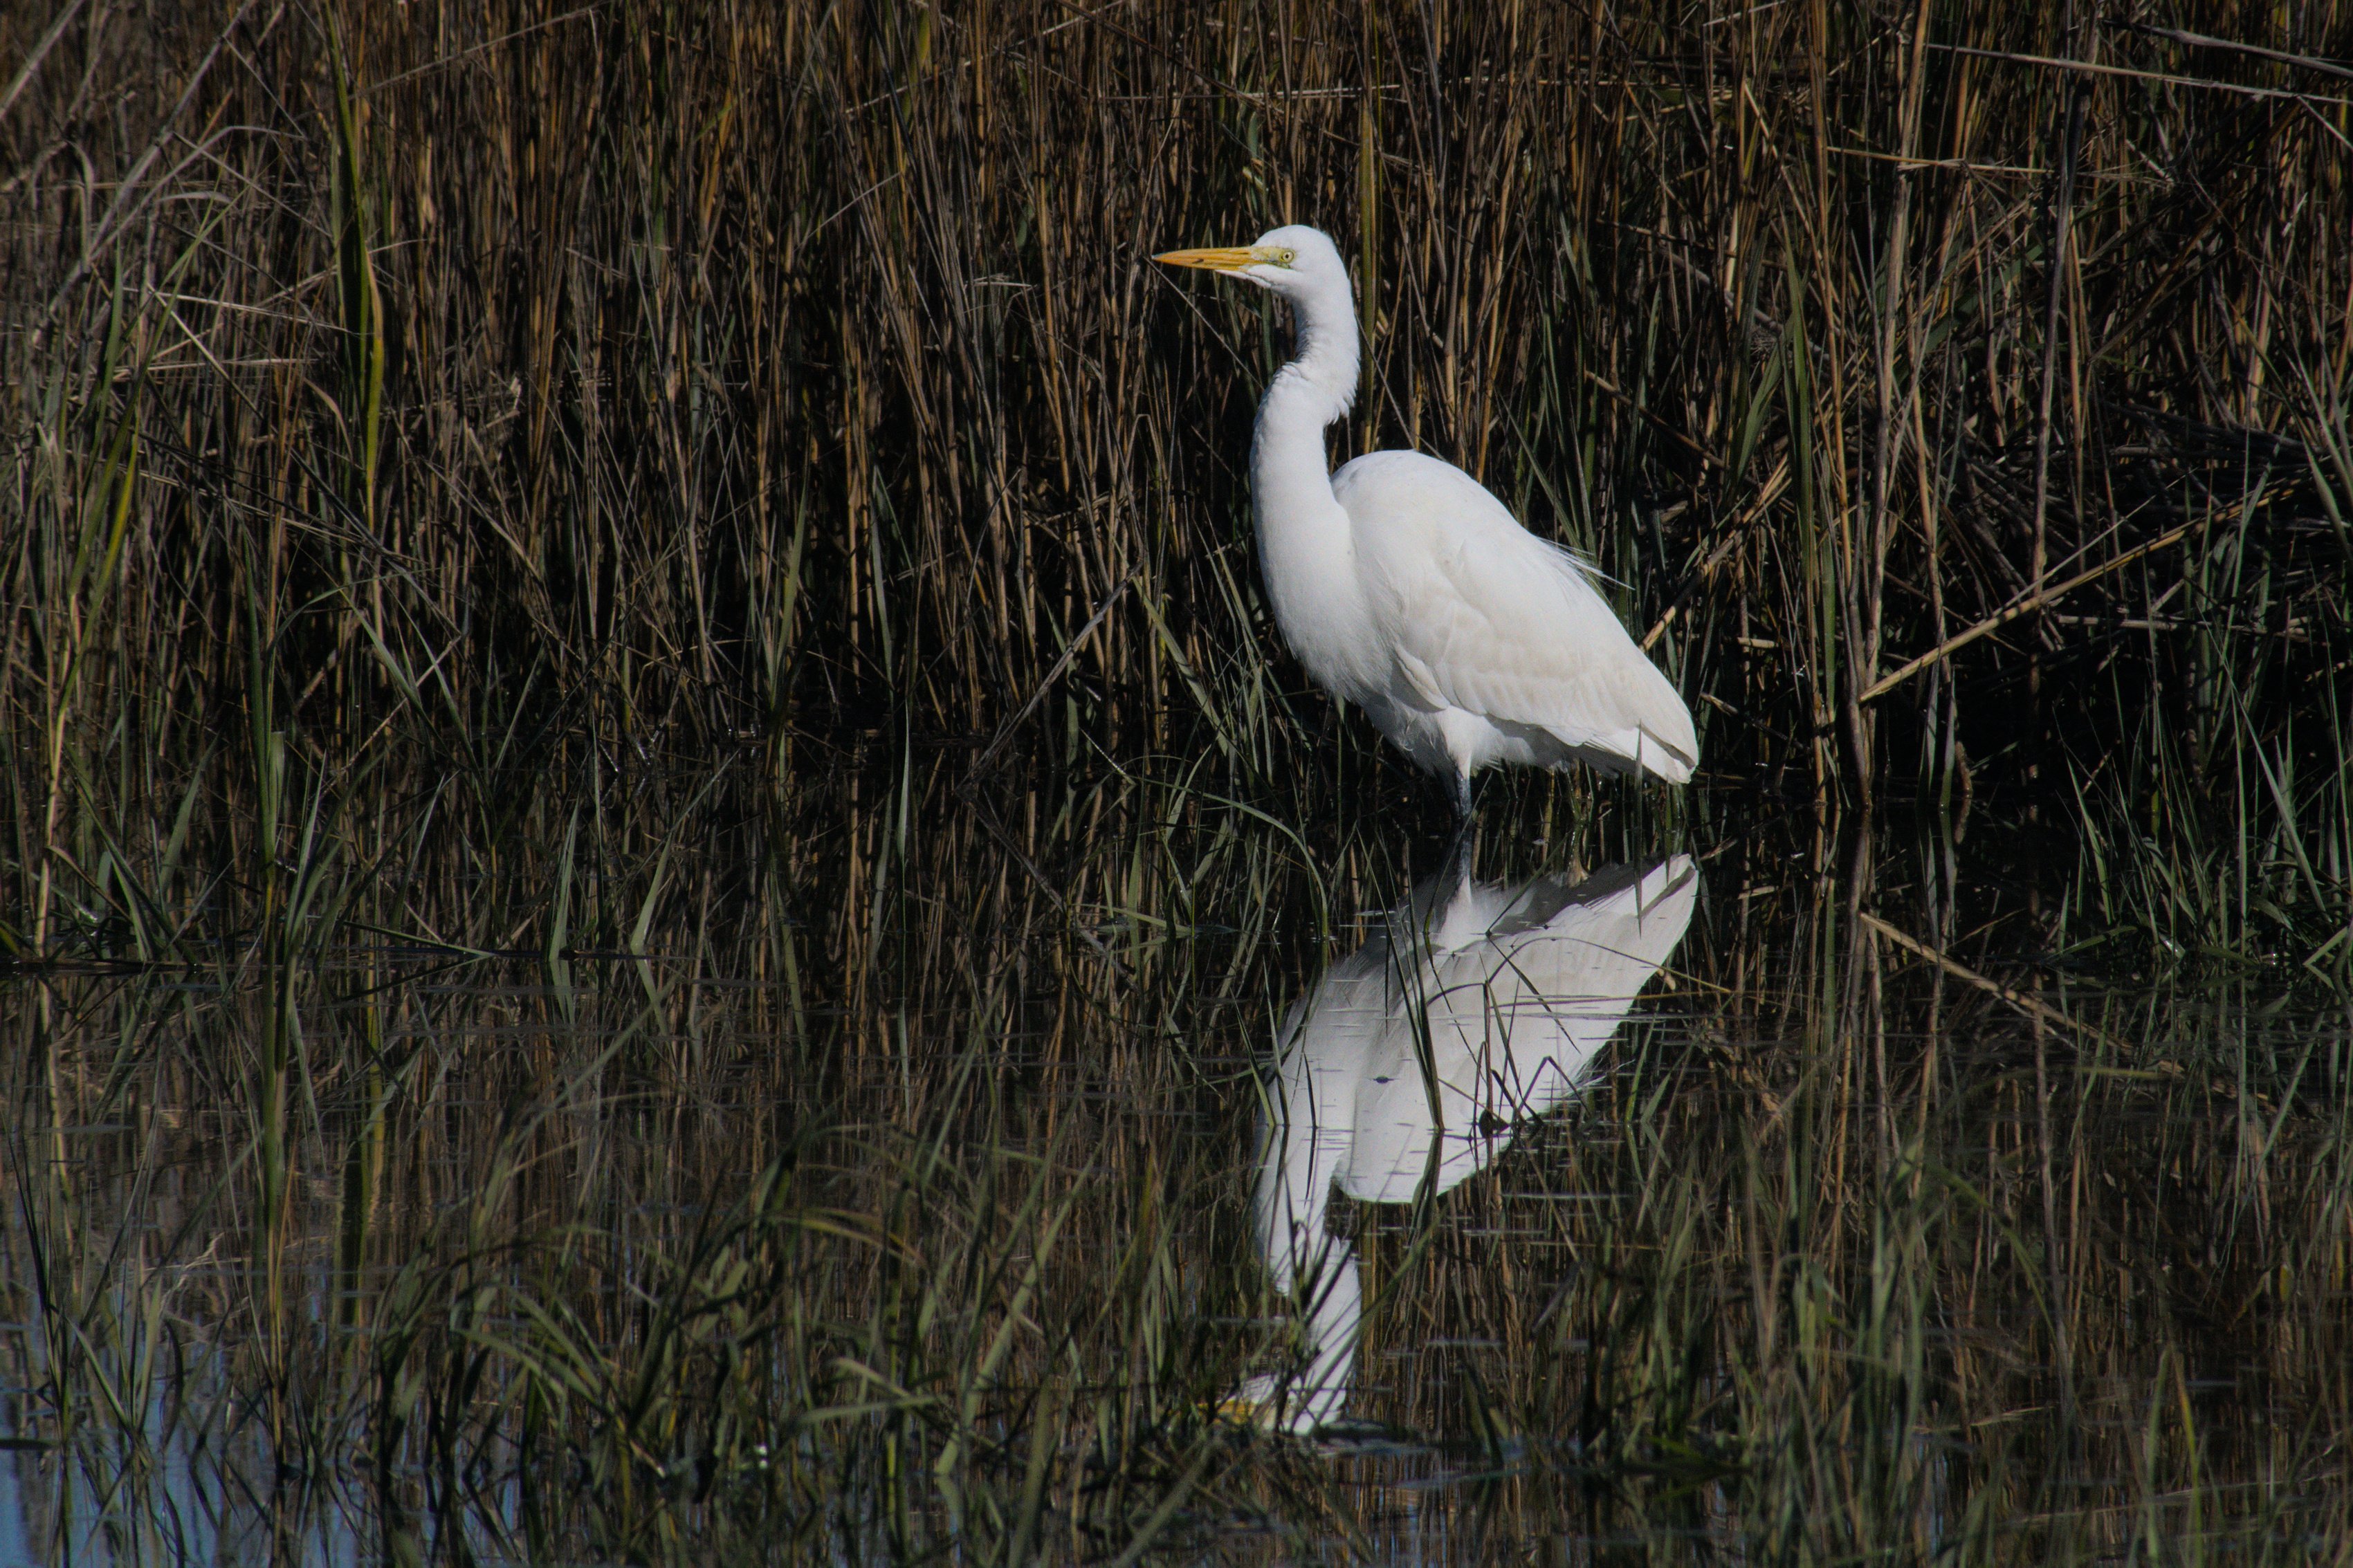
(1413, 1063)
(1407, 589)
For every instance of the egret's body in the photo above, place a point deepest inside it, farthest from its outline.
(1407, 589)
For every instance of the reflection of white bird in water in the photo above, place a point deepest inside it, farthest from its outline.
(1520, 988)
(1407, 589)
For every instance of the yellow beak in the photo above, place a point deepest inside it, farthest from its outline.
(1231, 258)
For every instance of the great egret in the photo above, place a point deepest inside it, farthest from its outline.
(1414, 1061)
(1407, 589)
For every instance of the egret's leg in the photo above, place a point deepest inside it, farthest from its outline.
(1460, 733)
(1454, 875)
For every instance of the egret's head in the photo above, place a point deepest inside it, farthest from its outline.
(1294, 261)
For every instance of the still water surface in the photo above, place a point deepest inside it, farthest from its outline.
(1103, 1174)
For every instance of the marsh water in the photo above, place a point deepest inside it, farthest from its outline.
(720, 1164)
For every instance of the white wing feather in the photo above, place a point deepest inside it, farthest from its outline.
(1485, 616)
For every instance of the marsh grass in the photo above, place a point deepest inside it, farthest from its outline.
(390, 377)
(599, 970)
(880, 1224)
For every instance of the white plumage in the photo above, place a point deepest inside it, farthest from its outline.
(1414, 1061)
(1407, 589)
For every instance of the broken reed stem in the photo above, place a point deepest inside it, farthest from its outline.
(1006, 732)
(2032, 603)
(2026, 1005)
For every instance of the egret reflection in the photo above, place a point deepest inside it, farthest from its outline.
(1412, 1063)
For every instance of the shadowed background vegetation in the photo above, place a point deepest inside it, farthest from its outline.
(724, 374)
(540, 1022)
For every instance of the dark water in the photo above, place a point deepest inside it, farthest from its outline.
(1095, 1171)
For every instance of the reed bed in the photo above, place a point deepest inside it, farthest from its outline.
(1958, 394)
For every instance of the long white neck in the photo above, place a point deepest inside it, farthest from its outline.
(1307, 395)
(1304, 532)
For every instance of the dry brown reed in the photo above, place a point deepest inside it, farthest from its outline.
(692, 369)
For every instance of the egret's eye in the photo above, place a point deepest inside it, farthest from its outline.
(1285, 257)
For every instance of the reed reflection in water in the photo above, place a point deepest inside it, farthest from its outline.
(863, 1173)
(1412, 1062)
